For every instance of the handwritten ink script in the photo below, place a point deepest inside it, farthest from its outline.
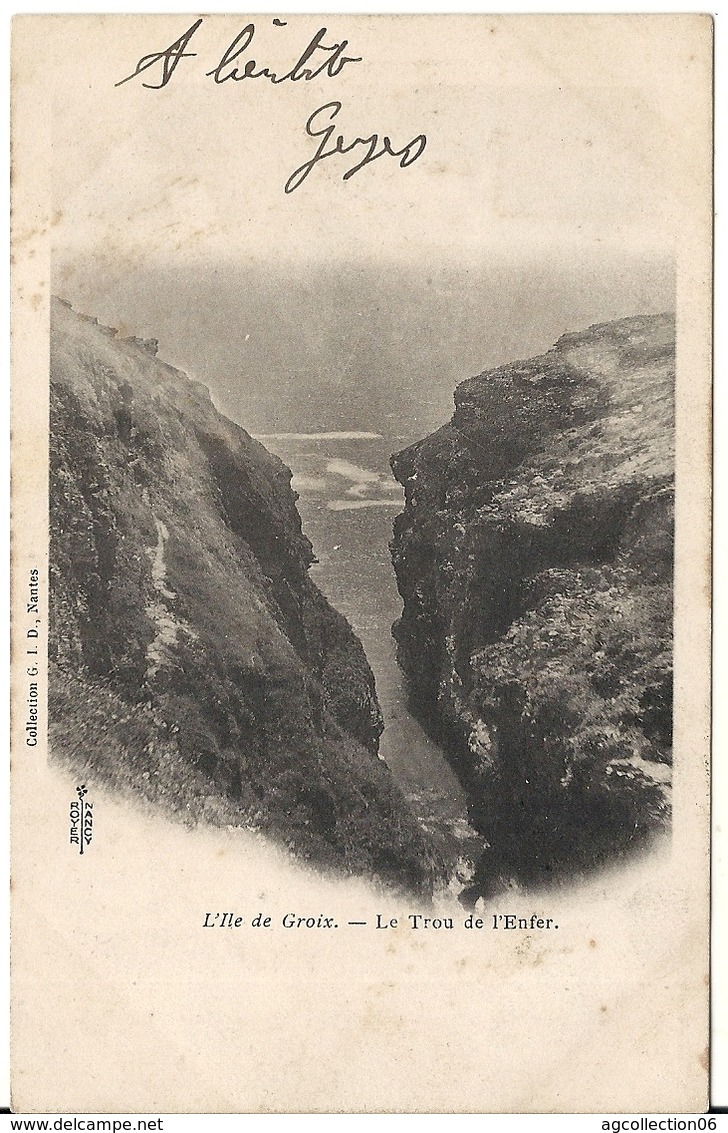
(316, 128)
(318, 59)
(82, 820)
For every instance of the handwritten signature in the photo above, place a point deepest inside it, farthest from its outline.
(408, 154)
(170, 58)
(317, 59)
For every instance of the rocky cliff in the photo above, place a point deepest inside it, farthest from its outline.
(192, 660)
(534, 558)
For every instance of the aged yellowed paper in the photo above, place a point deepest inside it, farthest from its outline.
(360, 521)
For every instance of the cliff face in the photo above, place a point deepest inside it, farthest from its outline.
(193, 662)
(534, 558)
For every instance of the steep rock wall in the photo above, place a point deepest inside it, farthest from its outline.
(534, 559)
(193, 661)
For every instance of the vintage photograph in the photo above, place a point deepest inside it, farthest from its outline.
(373, 417)
(439, 660)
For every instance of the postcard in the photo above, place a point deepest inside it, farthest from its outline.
(361, 563)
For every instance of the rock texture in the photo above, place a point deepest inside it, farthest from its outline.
(534, 558)
(193, 662)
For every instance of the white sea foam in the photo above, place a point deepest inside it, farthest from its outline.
(353, 436)
(352, 505)
(352, 472)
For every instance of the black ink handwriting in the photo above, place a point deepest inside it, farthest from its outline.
(407, 154)
(333, 65)
(169, 59)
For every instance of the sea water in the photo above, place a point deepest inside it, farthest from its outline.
(348, 501)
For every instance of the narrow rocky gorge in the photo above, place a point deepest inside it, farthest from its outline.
(196, 668)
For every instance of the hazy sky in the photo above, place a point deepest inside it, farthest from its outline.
(359, 346)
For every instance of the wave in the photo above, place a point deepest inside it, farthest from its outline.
(354, 436)
(352, 505)
(352, 472)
